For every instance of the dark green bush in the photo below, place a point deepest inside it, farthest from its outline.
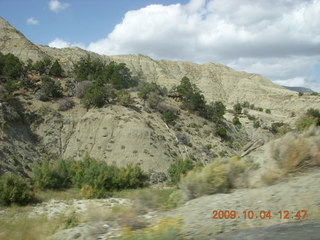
(10, 66)
(56, 69)
(245, 104)
(236, 121)
(15, 190)
(52, 175)
(89, 69)
(94, 95)
(116, 74)
(49, 89)
(237, 108)
(103, 178)
(192, 98)
(42, 66)
(312, 117)
(12, 70)
(221, 132)
(311, 112)
(256, 124)
(178, 168)
(145, 89)
(268, 111)
(169, 117)
(215, 111)
(275, 127)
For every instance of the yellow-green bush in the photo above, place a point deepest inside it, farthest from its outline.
(178, 168)
(210, 179)
(216, 177)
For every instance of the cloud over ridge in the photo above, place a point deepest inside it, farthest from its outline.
(269, 37)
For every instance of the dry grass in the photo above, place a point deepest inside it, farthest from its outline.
(165, 229)
(47, 195)
(17, 224)
(296, 151)
(148, 198)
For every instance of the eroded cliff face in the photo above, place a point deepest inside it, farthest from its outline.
(121, 135)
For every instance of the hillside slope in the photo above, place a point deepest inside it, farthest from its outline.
(216, 81)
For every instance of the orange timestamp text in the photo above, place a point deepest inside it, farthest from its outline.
(264, 214)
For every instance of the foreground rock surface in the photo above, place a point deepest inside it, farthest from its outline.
(296, 193)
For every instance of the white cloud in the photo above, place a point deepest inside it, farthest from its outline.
(32, 21)
(291, 82)
(279, 39)
(57, 6)
(60, 43)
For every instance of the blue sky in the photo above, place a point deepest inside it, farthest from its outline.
(278, 39)
(82, 21)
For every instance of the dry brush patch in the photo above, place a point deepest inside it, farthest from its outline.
(218, 176)
(296, 151)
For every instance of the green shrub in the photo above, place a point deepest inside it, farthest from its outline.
(300, 94)
(178, 168)
(312, 117)
(236, 121)
(216, 177)
(42, 66)
(116, 74)
(213, 178)
(10, 66)
(268, 111)
(15, 190)
(192, 98)
(251, 117)
(215, 111)
(237, 108)
(89, 69)
(52, 175)
(221, 131)
(256, 124)
(275, 127)
(49, 89)
(305, 122)
(145, 89)
(94, 95)
(169, 117)
(120, 76)
(103, 178)
(315, 113)
(245, 104)
(56, 69)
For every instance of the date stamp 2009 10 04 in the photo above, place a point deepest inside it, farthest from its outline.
(263, 214)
